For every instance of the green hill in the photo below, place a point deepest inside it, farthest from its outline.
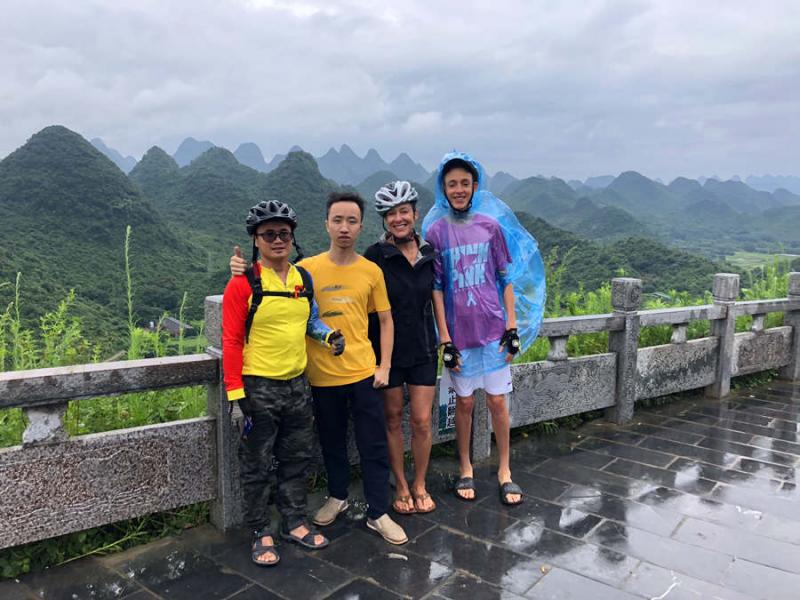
(637, 194)
(545, 198)
(64, 208)
(590, 264)
(155, 173)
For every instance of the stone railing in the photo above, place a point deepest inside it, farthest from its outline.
(55, 484)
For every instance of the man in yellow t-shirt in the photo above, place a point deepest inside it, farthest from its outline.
(347, 288)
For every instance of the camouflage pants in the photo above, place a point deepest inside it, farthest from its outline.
(283, 429)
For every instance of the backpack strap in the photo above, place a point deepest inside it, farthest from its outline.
(304, 291)
(308, 284)
(257, 296)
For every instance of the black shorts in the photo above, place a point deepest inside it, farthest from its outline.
(421, 374)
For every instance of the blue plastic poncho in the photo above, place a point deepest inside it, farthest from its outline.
(478, 254)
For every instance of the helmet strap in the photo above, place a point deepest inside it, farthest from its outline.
(255, 252)
(405, 240)
(297, 248)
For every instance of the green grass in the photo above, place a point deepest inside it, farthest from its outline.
(752, 260)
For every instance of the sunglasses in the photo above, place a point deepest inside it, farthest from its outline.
(269, 236)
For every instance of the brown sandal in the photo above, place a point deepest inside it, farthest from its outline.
(404, 500)
(421, 498)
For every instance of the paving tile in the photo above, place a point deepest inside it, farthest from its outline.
(633, 453)
(766, 470)
(585, 458)
(651, 581)
(86, 579)
(255, 592)
(686, 481)
(769, 409)
(392, 567)
(569, 520)
(753, 452)
(762, 582)
(145, 595)
(735, 426)
(691, 560)
(756, 500)
(490, 562)
(773, 444)
(461, 586)
(666, 433)
(480, 522)
(361, 589)
(533, 484)
(559, 584)
(598, 481)
(710, 456)
(757, 549)
(636, 514)
(300, 574)
(729, 515)
(613, 433)
(14, 590)
(692, 469)
(591, 560)
(175, 573)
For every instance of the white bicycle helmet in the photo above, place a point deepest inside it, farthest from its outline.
(393, 194)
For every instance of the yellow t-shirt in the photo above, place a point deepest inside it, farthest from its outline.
(277, 347)
(345, 295)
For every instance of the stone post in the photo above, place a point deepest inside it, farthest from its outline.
(626, 295)
(792, 370)
(725, 290)
(226, 510)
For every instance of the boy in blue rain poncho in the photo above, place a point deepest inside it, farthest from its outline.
(489, 290)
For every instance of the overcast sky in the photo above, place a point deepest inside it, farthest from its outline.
(569, 88)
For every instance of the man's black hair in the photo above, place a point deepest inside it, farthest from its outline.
(460, 163)
(335, 197)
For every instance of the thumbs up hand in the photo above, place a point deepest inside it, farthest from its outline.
(237, 263)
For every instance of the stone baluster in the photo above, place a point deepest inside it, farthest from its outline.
(759, 321)
(558, 348)
(45, 425)
(226, 510)
(626, 294)
(725, 291)
(679, 333)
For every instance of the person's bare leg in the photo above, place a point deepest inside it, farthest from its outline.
(463, 436)
(393, 409)
(421, 401)
(501, 424)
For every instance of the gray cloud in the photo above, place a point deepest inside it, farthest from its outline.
(568, 89)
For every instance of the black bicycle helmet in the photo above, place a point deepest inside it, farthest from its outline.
(270, 210)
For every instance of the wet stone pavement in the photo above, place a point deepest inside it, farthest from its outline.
(693, 500)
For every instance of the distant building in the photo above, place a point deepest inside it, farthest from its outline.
(174, 327)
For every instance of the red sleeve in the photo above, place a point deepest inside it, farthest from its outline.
(235, 306)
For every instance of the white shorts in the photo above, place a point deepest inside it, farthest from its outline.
(495, 382)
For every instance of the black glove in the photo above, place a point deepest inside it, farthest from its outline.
(336, 340)
(243, 420)
(510, 340)
(450, 355)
